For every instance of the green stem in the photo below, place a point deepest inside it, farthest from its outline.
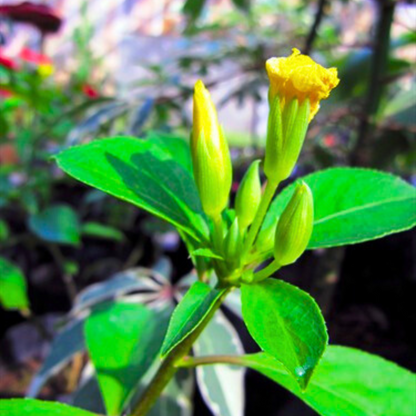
(170, 365)
(274, 266)
(266, 198)
(218, 235)
(189, 362)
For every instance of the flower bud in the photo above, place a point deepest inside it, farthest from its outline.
(294, 228)
(265, 239)
(297, 85)
(248, 196)
(232, 243)
(210, 154)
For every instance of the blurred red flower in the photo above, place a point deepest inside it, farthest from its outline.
(7, 62)
(39, 15)
(5, 93)
(90, 91)
(330, 140)
(33, 57)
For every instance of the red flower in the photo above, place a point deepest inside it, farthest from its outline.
(5, 93)
(39, 15)
(330, 140)
(90, 91)
(33, 57)
(7, 62)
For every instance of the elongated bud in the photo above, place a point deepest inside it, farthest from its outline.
(285, 136)
(294, 228)
(265, 239)
(210, 154)
(232, 241)
(248, 196)
(297, 85)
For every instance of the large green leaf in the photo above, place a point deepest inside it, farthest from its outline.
(348, 382)
(13, 289)
(188, 315)
(57, 224)
(30, 407)
(353, 205)
(287, 324)
(140, 172)
(122, 339)
(221, 387)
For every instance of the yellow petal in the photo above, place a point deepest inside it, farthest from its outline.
(301, 77)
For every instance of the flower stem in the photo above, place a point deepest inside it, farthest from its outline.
(266, 198)
(218, 235)
(274, 266)
(189, 362)
(171, 364)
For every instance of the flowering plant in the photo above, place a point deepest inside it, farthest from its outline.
(236, 250)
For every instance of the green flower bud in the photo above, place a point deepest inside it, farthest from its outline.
(285, 136)
(295, 225)
(210, 154)
(232, 243)
(248, 196)
(265, 239)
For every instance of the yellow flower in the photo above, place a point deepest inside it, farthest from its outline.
(298, 76)
(210, 154)
(46, 70)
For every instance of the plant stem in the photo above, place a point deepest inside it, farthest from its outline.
(274, 266)
(67, 278)
(266, 198)
(375, 81)
(218, 235)
(313, 32)
(189, 362)
(170, 365)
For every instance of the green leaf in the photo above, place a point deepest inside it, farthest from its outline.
(57, 224)
(95, 229)
(64, 346)
(287, 324)
(206, 252)
(353, 205)
(188, 315)
(13, 288)
(348, 382)
(221, 387)
(30, 407)
(140, 172)
(193, 8)
(243, 5)
(122, 339)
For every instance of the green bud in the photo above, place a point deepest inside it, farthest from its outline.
(286, 133)
(295, 225)
(210, 154)
(232, 243)
(265, 239)
(248, 196)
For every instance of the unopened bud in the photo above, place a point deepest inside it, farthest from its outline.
(210, 154)
(232, 243)
(295, 225)
(297, 85)
(285, 136)
(248, 196)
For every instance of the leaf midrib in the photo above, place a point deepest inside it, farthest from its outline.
(361, 208)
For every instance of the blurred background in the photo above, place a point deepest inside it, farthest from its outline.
(72, 71)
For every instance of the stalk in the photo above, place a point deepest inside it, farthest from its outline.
(171, 365)
(266, 198)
